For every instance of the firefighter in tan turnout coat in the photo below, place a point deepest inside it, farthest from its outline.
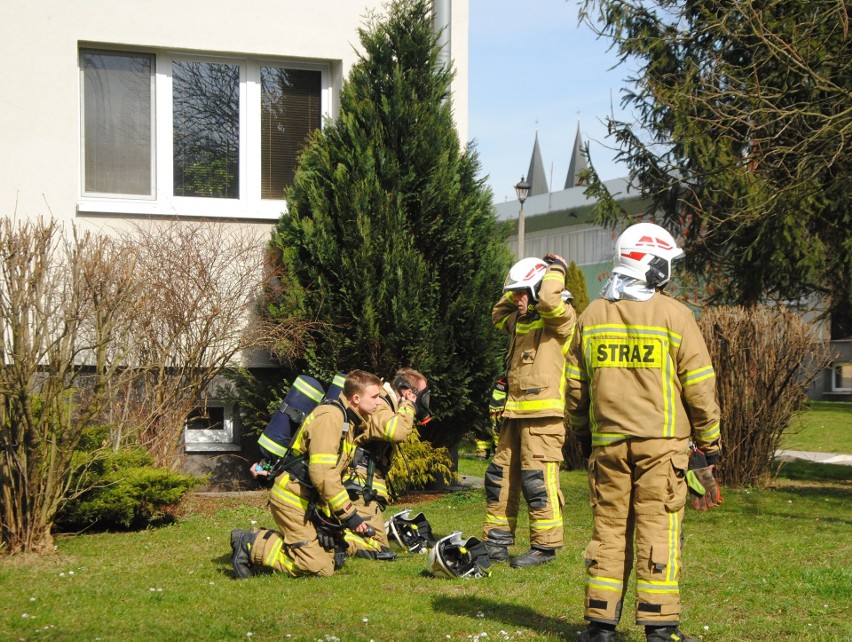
(641, 385)
(308, 500)
(532, 311)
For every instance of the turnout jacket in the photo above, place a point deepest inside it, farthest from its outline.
(326, 439)
(388, 425)
(536, 359)
(641, 369)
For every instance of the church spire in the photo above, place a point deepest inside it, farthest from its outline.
(578, 163)
(535, 175)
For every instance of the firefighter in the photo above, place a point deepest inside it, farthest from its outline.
(308, 500)
(640, 384)
(539, 322)
(404, 405)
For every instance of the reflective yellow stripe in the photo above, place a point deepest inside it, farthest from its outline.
(545, 524)
(339, 500)
(575, 373)
(526, 328)
(711, 433)
(501, 520)
(308, 390)
(558, 311)
(694, 376)
(323, 458)
(361, 542)
(541, 404)
(650, 586)
(271, 446)
(390, 427)
(605, 583)
(619, 329)
(338, 380)
(672, 568)
(607, 438)
(289, 498)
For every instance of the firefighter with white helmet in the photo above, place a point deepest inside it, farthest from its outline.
(640, 385)
(532, 311)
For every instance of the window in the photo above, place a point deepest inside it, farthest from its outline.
(841, 377)
(194, 135)
(211, 428)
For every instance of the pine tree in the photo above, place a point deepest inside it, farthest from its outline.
(739, 131)
(575, 281)
(390, 239)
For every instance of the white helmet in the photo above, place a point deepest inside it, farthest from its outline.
(411, 533)
(454, 557)
(526, 274)
(645, 251)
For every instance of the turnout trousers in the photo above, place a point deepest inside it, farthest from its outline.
(297, 551)
(637, 492)
(526, 461)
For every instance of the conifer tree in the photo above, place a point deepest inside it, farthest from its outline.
(575, 281)
(390, 240)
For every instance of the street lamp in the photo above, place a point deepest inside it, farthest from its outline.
(522, 190)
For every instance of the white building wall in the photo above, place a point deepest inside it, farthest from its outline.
(40, 91)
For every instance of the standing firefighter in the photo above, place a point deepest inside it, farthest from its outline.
(533, 312)
(308, 500)
(640, 385)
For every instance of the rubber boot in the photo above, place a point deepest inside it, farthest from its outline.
(597, 633)
(533, 557)
(666, 634)
(241, 542)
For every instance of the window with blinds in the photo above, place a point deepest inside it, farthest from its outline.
(290, 109)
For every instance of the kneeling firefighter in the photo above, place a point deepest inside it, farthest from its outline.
(405, 403)
(308, 501)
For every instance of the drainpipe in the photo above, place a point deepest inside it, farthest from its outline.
(442, 24)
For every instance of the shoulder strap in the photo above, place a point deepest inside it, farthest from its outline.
(339, 405)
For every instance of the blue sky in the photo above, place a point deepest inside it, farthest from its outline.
(532, 67)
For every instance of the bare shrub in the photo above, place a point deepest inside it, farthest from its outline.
(60, 303)
(197, 284)
(765, 358)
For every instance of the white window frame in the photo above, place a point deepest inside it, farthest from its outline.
(204, 440)
(163, 202)
(834, 367)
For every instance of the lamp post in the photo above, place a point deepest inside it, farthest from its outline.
(522, 190)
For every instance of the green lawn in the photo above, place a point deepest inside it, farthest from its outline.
(826, 426)
(766, 565)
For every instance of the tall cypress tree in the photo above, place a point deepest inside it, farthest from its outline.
(390, 239)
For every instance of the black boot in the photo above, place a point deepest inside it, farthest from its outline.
(241, 542)
(666, 634)
(496, 552)
(534, 557)
(597, 632)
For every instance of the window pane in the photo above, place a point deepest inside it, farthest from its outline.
(117, 109)
(843, 376)
(290, 111)
(211, 419)
(206, 100)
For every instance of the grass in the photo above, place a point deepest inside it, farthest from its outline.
(826, 426)
(767, 565)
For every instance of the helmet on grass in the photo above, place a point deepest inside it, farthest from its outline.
(453, 556)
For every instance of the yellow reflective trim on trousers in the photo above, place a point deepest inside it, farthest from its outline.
(545, 524)
(649, 586)
(271, 446)
(700, 374)
(552, 481)
(673, 568)
(339, 500)
(605, 583)
(308, 390)
(289, 498)
(356, 539)
(501, 521)
(711, 433)
(323, 458)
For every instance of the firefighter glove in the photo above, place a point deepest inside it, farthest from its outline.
(552, 259)
(353, 521)
(703, 489)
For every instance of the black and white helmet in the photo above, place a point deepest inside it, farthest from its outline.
(412, 533)
(454, 556)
